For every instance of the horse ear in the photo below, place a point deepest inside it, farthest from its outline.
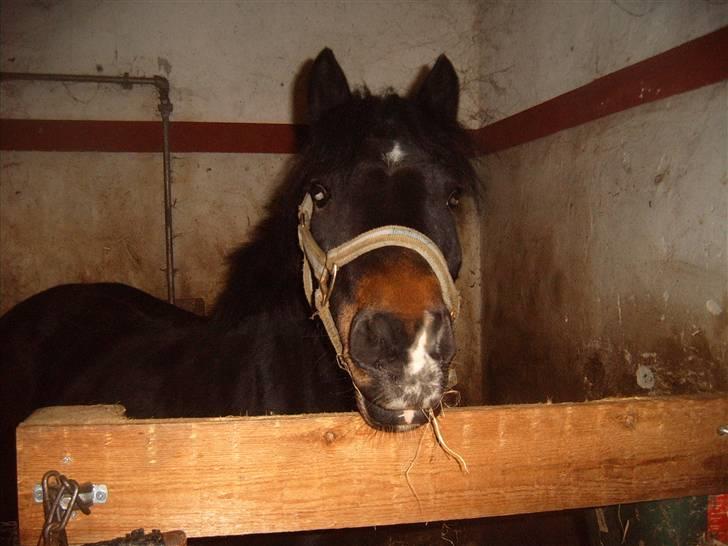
(439, 94)
(327, 86)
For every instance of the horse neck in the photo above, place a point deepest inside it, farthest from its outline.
(264, 277)
(289, 349)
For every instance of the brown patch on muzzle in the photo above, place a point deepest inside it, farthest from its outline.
(405, 286)
(402, 284)
(394, 298)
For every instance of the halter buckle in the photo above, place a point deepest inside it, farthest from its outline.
(324, 286)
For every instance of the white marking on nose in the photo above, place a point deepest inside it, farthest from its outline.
(419, 358)
(422, 374)
(408, 416)
(394, 156)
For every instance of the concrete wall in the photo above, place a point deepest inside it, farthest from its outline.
(68, 217)
(534, 51)
(79, 218)
(604, 246)
(605, 254)
(227, 61)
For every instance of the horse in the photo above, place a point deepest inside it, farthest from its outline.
(362, 234)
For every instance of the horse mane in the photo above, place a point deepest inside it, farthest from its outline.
(264, 273)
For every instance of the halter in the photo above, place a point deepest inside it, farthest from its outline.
(324, 266)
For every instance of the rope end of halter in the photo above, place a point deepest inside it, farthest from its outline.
(341, 362)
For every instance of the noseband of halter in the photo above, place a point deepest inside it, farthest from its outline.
(323, 266)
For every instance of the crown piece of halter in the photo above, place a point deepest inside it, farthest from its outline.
(324, 266)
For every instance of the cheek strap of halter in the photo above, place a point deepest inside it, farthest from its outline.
(323, 266)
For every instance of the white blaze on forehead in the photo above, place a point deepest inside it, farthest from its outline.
(395, 155)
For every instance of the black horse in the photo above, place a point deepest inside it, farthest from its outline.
(370, 161)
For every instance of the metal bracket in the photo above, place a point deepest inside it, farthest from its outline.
(88, 493)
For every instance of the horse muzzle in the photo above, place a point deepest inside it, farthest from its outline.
(400, 366)
(393, 420)
(399, 343)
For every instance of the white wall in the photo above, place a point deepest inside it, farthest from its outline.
(79, 217)
(532, 51)
(226, 61)
(566, 229)
(604, 246)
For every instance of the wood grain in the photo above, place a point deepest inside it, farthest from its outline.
(239, 475)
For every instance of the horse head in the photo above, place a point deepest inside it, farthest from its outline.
(377, 225)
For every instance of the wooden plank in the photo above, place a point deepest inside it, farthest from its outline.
(241, 475)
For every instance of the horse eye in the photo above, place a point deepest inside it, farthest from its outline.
(319, 194)
(454, 200)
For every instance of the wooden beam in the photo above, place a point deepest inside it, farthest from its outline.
(239, 475)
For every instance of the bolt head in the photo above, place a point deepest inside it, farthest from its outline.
(645, 377)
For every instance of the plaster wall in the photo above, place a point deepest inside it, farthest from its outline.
(226, 61)
(605, 259)
(83, 217)
(605, 267)
(567, 239)
(531, 52)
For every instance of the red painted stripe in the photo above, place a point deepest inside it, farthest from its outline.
(718, 517)
(697, 63)
(146, 136)
(72, 136)
(187, 136)
(692, 65)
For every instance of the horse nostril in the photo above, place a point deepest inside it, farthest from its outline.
(441, 339)
(377, 339)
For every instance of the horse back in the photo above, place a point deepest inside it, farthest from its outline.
(59, 332)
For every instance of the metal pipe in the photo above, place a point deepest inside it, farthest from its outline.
(125, 81)
(165, 109)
